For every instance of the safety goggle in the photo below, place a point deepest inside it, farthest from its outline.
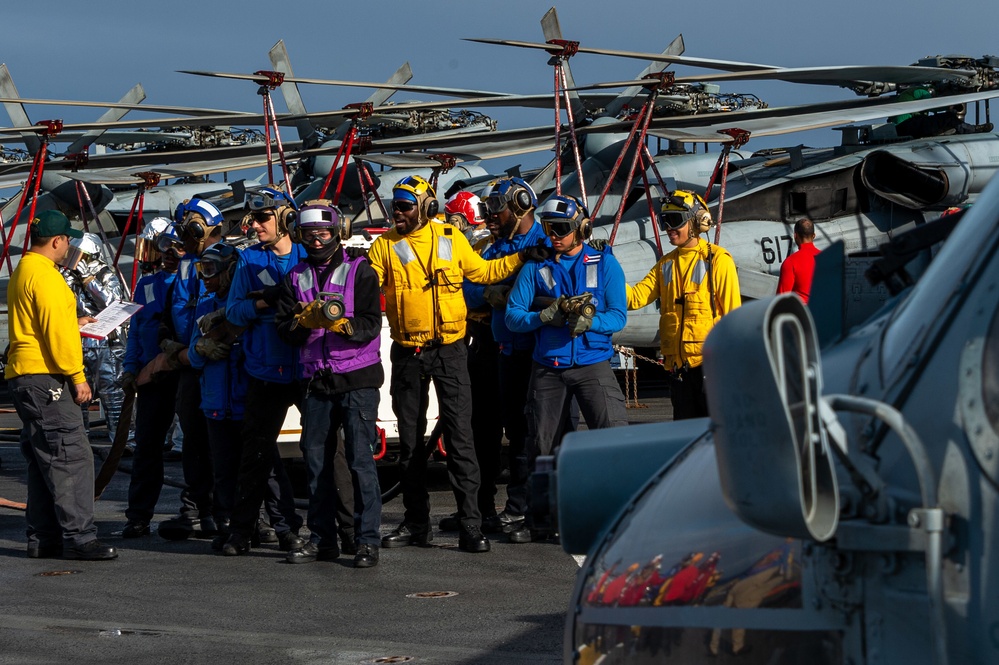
(215, 263)
(164, 243)
(322, 236)
(558, 228)
(402, 205)
(496, 204)
(673, 220)
(260, 201)
(209, 269)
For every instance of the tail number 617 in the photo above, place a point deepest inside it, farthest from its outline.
(772, 250)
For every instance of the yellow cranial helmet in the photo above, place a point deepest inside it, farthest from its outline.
(685, 207)
(415, 189)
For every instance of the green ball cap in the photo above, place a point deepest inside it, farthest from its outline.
(50, 223)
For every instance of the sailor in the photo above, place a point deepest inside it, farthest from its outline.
(421, 266)
(573, 303)
(158, 246)
(510, 205)
(949, 120)
(466, 212)
(199, 225)
(695, 284)
(272, 366)
(45, 376)
(95, 284)
(797, 269)
(330, 310)
(216, 352)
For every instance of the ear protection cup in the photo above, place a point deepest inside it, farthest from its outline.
(432, 207)
(585, 228)
(521, 201)
(701, 222)
(286, 216)
(345, 227)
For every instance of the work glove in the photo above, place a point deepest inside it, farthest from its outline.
(599, 244)
(211, 320)
(212, 349)
(341, 326)
(269, 295)
(579, 323)
(127, 382)
(552, 315)
(539, 252)
(496, 294)
(171, 350)
(356, 252)
(311, 315)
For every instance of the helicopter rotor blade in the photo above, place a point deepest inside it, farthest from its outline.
(676, 47)
(133, 96)
(426, 89)
(727, 65)
(15, 109)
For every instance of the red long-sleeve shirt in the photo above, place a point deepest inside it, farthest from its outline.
(797, 270)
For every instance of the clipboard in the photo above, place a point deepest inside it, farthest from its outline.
(109, 318)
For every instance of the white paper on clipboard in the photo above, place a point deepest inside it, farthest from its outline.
(110, 318)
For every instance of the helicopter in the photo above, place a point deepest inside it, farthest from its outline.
(838, 505)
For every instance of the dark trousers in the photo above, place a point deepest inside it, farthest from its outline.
(412, 372)
(196, 499)
(686, 393)
(487, 417)
(226, 441)
(596, 390)
(267, 404)
(60, 462)
(322, 417)
(154, 409)
(514, 381)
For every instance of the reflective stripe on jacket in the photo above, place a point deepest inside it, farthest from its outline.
(421, 275)
(679, 281)
(325, 349)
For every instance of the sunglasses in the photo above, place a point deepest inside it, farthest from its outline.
(557, 228)
(261, 216)
(402, 206)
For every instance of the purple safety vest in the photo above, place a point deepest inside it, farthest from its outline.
(324, 349)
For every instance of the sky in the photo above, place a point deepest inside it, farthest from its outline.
(97, 50)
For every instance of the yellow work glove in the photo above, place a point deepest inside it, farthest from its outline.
(311, 315)
(341, 326)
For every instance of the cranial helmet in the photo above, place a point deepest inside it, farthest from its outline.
(218, 260)
(421, 193)
(273, 200)
(466, 206)
(146, 250)
(512, 193)
(683, 207)
(197, 219)
(315, 215)
(561, 215)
